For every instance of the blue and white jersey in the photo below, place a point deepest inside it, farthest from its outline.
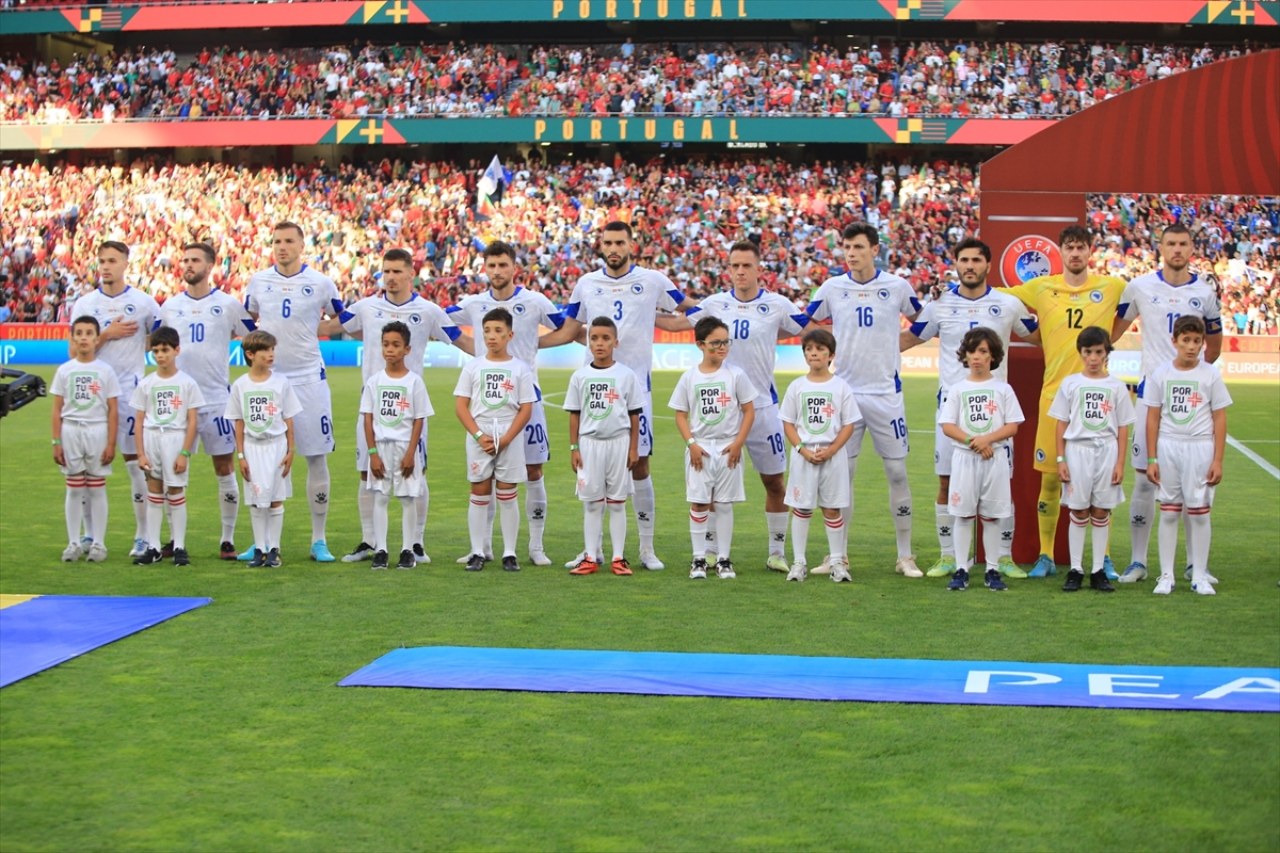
(291, 308)
(426, 321)
(949, 317)
(127, 356)
(631, 301)
(1157, 304)
(206, 327)
(529, 311)
(754, 328)
(865, 321)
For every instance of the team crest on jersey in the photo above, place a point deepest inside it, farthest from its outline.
(1181, 401)
(818, 410)
(215, 311)
(978, 408)
(130, 309)
(1195, 303)
(713, 402)
(763, 309)
(517, 310)
(308, 290)
(1039, 455)
(497, 386)
(85, 388)
(599, 291)
(883, 293)
(1095, 295)
(1095, 407)
(994, 310)
(1030, 256)
(601, 395)
(637, 288)
(260, 410)
(415, 319)
(167, 402)
(393, 405)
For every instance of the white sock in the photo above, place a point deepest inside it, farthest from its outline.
(1075, 541)
(1198, 539)
(617, 527)
(962, 538)
(1167, 537)
(275, 526)
(379, 522)
(1142, 509)
(177, 506)
(592, 527)
(724, 530)
(489, 515)
(228, 505)
(155, 517)
(477, 521)
(777, 524)
(943, 521)
(364, 505)
(900, 503)
(1006, 536)
(1101, 533)
(258, 520)
(837, 538)
(138, 482)
(96, 509)
(697, 532)
(643, 502)
(991, 542)
(318, 494)
(509, 518)
(535, 509)
(87, 517)
(74, 506)
(421, 504)
(710, 545)
(410, 529)
(800, 533)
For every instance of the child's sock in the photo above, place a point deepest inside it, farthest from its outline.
(509, 518)
(724, 530)
(617, 527)
(800, 534)
(477, 522)
(177, 506)
(381, 505)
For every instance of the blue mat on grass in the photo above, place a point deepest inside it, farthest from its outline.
(830, 679)
(49, 629)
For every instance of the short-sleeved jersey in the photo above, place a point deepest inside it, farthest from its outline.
(263, 406)
(865, 321)
(1186, 399)
(291, 308)
(395, 403)
(165, 401)
(819, 410)
(949, 317)
(1157, 304)
(496, 389)
(754, 328)
(206, 327)
(529, 311)
(604, 398)
(1092, 408)
(631, 301)
(127, 356)
(713, 401)
(426, 321)
(85, 388)
(979, 408)
(1063, 312)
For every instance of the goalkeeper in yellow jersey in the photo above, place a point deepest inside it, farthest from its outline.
(1065, 305)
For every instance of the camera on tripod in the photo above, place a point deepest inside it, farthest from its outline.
(18, 389)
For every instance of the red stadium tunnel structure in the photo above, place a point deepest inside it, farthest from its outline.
(1211, 131)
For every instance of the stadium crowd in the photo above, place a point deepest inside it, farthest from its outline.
(894, 79)
(687, 214)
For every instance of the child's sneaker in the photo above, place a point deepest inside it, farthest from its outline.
(97, 553)
(380, 560)
(1164, 585)
(149, 557)
(539, 558)
(994, 582)
(487, 557)
(1203, 585)
(420, 554)
(166, 550)
(181, 557)
(585, 566)
(840, 571)
(1188, 574)
(724, 569)
(959, 580)
(139, 548)
(650, 561)
(698, 569)
(407, 560)
(71, 553)
(621, 567)
(475, 563)
(798, 571)
(359, 554)
(509, 563)
(258, 560)
(273, 559)
(227, 551)
(1074, 581)
(1100, 582)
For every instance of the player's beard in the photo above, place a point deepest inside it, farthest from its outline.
(623, 263)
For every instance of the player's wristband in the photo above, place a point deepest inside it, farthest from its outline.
(239, 455)
(185, 452)
(57, 441)
(1062, 459)
(477, 435)
(1151, 460)
(691, 442)
(573, 447)
(373, 451)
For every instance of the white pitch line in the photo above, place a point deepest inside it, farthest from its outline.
(1255, 458)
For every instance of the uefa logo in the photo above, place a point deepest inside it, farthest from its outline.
(1030, 256)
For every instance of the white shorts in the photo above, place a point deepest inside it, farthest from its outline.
(265, 484)
(604, 473)
(164, 448)
(127, 425)
(313, 427)
(884, 416)
(393, 483)
(644, 447)
(765, 444)
(537, 449)
(1091, 463)
(811, 486)
(980, 486)
(82, 446)
(1184, 465)
(716, 482)
(217, 434)
(1138, 454)
(943, 447)
(362, 447)
(507, 467)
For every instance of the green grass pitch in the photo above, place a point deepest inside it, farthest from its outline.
(223, 730)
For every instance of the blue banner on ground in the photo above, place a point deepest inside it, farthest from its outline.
(50, 629)
(827, 679)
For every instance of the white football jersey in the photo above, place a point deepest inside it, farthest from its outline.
(1092, 408)
(754, 328)
(85, 389)
(529, 310)
(949, 317)
(1187, 399)
(426, 321)
(713, 401)
(395, 404)
(631, 301)
(206, 327)
(263, 406)
(127, 356)
(865, 321)
(979, 408)
(166, 401)
(291, 308)
(496, 389)
(604, 398)
(1157, 305)
(819, 410)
